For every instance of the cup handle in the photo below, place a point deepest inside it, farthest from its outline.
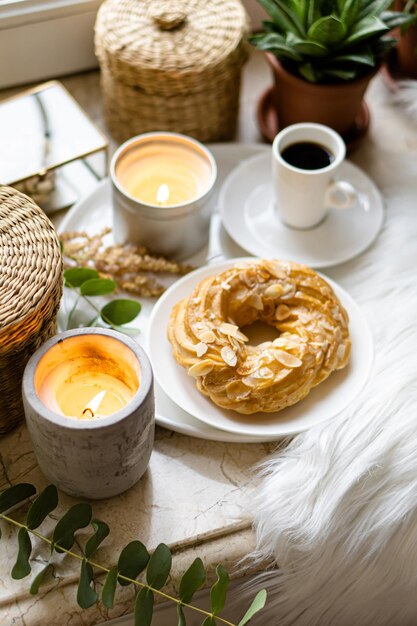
(340, 195)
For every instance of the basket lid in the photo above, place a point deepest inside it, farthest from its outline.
(175, 35)
(30, 257)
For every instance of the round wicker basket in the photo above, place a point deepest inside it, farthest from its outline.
(30, 293)
(171, 65)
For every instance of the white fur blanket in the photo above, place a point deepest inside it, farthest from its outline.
(337, 509)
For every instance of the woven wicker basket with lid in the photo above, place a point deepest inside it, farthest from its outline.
(171, 65)
(30, 293)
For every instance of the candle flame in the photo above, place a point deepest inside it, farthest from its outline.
(162, 195)
(94, 403)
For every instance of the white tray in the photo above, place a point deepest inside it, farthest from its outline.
(95, 212)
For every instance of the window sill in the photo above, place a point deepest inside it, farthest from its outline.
(41, 39)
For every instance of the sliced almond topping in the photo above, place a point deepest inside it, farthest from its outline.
(289, 292)
(255, 301)
(200, 349)
(287, 359)
(229, 356)
(228, 329)
(326, 325)
(282, 312)
(279, 270)
(196, 300)
(225, 286)
(265, 372)
(241, 336)
(285, 342)
(273, 291)
(208, 336)
(237, 391)
(201, 369)
(341, 351)
(250, 381)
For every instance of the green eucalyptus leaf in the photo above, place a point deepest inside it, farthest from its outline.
(209, 621)
(109, 588)
(181, 616)
(327, 30)
(144, 607)
(86, 596)
(192, 580)
(22, 566)
(121, 311)
(40, 578)
(78, 516)
(219, 590)
(44, 504)
(76, 276)
(15, 494)
(97, 287)
(101, 530)
(132, 561)
(159, 566)
(258, 603)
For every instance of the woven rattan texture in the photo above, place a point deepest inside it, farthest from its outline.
(171, 65)
(30, 293)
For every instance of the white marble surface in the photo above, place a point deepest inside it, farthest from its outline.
(195, 495)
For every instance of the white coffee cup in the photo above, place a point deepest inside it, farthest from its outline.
(304, 196)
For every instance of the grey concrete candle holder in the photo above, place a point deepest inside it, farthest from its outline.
(97, 458)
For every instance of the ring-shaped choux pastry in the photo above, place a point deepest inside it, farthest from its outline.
(312, 335)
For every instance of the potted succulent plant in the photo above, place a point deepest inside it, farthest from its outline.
(323, 54)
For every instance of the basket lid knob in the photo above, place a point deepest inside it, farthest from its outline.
(167, 14)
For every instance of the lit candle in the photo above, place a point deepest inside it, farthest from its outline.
(163, 187)
(88, 398)
(164, 169)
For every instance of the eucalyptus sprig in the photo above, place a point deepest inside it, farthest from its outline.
(86, 283)
(134, 559)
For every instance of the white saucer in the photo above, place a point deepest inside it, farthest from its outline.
(323, 403)
(246, 204)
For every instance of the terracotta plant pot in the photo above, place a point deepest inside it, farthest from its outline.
(406, 57)
(298, 100)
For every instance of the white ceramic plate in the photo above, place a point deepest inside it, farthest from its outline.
(94, 213)
(324, 402)
(246, 203)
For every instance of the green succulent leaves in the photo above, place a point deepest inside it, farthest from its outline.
(87, 283)
(326, 41)
(134, 559)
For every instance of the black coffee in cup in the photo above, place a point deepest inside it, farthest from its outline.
(307, 155)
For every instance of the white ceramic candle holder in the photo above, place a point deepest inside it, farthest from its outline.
(91, 456)
(163, 193)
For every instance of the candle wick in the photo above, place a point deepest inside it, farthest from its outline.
(88, 409)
